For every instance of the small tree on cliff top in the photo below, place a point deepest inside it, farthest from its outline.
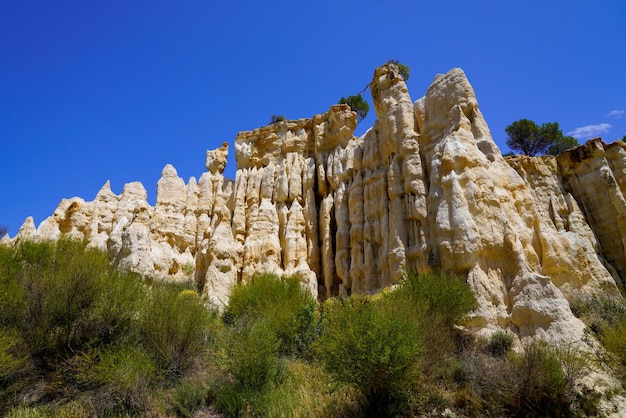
(403, 70)
(358, 104)
(531, 139)
(276, 119)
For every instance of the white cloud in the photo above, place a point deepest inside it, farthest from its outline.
(590, 131)
(617, 114)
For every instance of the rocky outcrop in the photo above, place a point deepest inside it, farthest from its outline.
(424, 188)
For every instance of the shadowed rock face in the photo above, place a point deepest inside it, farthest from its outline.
(424, 188)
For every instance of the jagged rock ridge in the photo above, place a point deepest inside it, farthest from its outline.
(425, 187)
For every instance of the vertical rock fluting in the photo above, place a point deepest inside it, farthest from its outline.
(595, 173)
(424, 188)
(570, 251)
(486, 225)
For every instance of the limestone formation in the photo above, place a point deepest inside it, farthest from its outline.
(424, 188)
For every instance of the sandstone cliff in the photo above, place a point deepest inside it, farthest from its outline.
(425, 188)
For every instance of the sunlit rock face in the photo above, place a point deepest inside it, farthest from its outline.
(425, 188)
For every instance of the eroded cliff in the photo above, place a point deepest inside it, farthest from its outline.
(424, 188)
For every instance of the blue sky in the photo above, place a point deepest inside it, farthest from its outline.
(115, 90)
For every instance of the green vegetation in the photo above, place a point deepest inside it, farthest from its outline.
(403, 70)
(73, 328)
(285, 306)
(531, 139)
(370, 347)
(358, 104)
(605, 317)
(78, 338)
(277, 118)
(500, 343)
(561, 144)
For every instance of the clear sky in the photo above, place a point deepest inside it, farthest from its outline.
(92, 91)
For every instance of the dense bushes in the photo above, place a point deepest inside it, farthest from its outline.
(79, 328)
(78, 338)
(606, 319)
(374, 349)
(285, 306)
(173, 326)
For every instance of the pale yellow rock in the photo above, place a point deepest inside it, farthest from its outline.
(570, 252)
(594, 173)
(485, 223)
(216, 159)
(424, 188)
(27, 230)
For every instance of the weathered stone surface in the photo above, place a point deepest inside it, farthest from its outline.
(424, 188)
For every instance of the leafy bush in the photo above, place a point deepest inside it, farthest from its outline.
(358, 104)
(72, 327)
(307, 390)
(113, 317)
(606, 318)
(540, 386)
(614, 340)
(276, 119)
(600, 312)
(253, 355)
(253, 365)
(500, 343)
(12, 361)
(403, 70)
(49, 290)
(122, 376)
(286, 306)
(434, 303)
(174, 327)
(372, 348)
(537, 382)
(188, 398)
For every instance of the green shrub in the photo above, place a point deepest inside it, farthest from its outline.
(358, 104)
(114, 315)
(435, 303)
(253, 367)
(436, 295)
(606, 318)
(72, 327)
(276, 119)
(286, 306)
(188, 398)
(174, 326)
(27, 412)
(614, 340)
(119, 377)
(500, 343)
(307, 390)
(403, 70)
(253, 355)
(49, 289)
(372, 348)
(12, 361)
(600, 311)
(538, 382)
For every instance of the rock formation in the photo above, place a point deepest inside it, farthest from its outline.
(424, 188)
